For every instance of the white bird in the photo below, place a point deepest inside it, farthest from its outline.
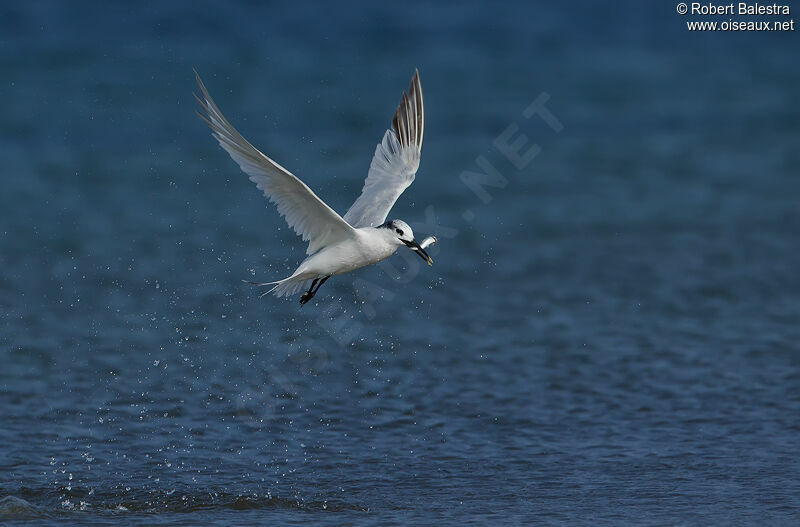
(336, 245)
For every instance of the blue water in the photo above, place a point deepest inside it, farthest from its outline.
(609, 334)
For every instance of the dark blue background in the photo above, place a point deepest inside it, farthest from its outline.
(611, 338)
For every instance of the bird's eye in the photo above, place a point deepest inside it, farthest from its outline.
(398, 231)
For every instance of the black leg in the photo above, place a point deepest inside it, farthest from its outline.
(308, 295)
(320, 283)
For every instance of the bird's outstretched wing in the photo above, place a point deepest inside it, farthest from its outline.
(308, 215)
(395, 162)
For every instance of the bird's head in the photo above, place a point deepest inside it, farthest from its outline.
(402, 233)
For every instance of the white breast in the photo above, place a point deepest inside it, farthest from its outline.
(368, 247)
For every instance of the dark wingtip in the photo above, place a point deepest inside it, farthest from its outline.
(409, 118)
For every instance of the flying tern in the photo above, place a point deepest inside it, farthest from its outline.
(336, 244)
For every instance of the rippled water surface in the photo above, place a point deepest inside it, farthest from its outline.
(609, 334)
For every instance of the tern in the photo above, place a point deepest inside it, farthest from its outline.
(336, 244)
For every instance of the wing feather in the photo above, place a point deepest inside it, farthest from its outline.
(395, 162)
(305, 213)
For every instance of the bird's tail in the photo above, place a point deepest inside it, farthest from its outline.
(286, 287)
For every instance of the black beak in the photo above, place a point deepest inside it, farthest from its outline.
(414, 246)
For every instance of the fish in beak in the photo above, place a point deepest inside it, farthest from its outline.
(414, 246)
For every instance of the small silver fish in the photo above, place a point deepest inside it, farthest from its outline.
(430, 240)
